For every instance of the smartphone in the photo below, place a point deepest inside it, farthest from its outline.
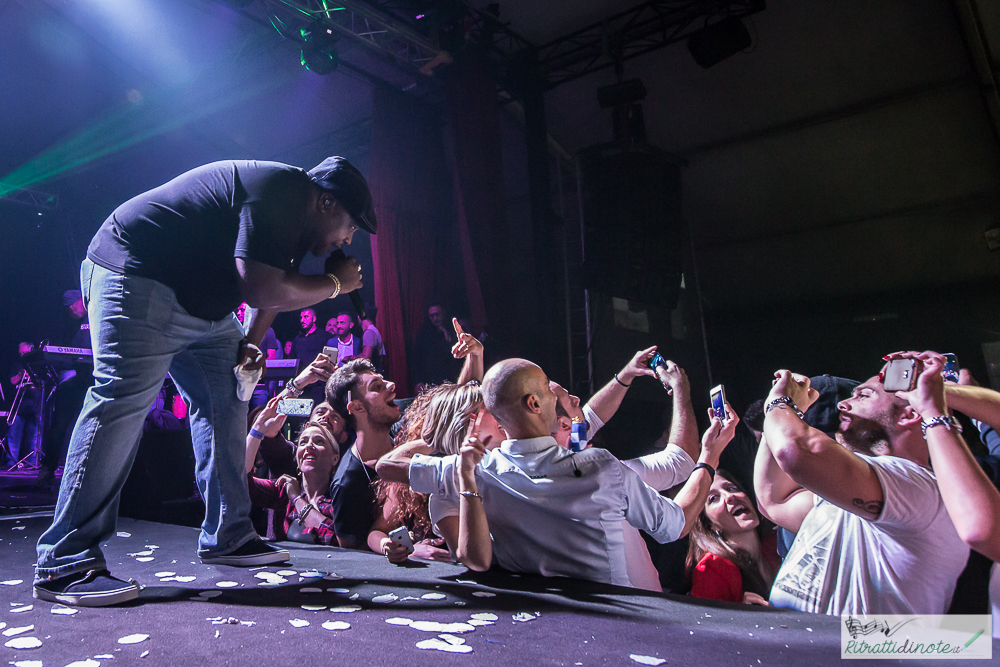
(657, 360)
(330, 352)
(951, 367)
(900, 375)
(402, 536)
(718, 395)
(295, 407)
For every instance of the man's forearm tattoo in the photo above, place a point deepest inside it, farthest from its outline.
(871, 506)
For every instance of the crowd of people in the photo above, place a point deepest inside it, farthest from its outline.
(835, 509)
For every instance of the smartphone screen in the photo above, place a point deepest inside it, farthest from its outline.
(719, 402)
(951, 367)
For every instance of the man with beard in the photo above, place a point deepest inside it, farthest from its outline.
(873, 533)
(366, 401)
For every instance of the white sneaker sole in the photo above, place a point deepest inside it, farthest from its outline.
(248, 561)
(93, 599)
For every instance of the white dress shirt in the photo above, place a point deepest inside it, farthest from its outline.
(545, 519)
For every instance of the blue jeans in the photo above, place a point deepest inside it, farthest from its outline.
(139, 333)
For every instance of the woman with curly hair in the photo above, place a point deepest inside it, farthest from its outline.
(725, 560)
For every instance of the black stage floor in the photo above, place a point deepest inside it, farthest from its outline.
(294, 623)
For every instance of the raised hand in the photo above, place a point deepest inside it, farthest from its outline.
(719, 433)
(638, 365)
(320, 370)
(347, 270)
(473, 449)
(291, 485)
(467, 343)
(927, 397)
(795, 387)
(269, 422)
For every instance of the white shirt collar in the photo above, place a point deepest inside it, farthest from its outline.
(528, 445)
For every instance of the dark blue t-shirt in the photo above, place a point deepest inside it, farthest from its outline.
(186, 233)
(353, 496)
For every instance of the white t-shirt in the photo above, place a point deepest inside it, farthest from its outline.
(345, 350)
(905, 562)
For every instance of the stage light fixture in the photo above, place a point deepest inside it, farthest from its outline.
(318, 53)
(716, 42)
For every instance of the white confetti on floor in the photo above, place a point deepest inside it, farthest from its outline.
(355, 596)
(433, 596)
(314, 607)
(28, 607)
(345, 610)
(28, 663)
(286, 573)
(63, 610)
(399, 621)
(385, 598)
(18, 528)
(147, 552)
(485, 616)
(144, 654)
(647, 659)
(338, 590)
(210, 594)
(434, 626)
(227, 584)
(524, 617)
(310, 590)
(24, 643)
(164, 574)
(441, 645)
(144, 559)
(11, 582)
(336, 625)
(123, 534)
(478, 623)
(333, 576)
(298, 622)
(12, 632)
(484, 594)
(85, 663)
(311, 574)
(133, 639)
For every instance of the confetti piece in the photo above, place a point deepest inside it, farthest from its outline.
(144, 559)
(484, 594)
(466, 581)
(2, 626)
(485, 616)
(439, 645)
(28, 607)
(310, 590)
(311, 574)
(434, 626)
(314, 607)
(338, 590)
(647, 659)
(11, 632)
(398, 621)
(28, 663)
(24, 643)
(165, 574)
(11, 582)
(133, 639)
(355, 596)
(63, 610)
(210, 594)
(333, 576)
(84, 663)
(18, 528)
(147, 552)
(460, 604)
(152, 546)
(123, 534)
(385, 599)
(181, 579)
(524, 617)
(298, 622)
(144, 654)
(286, 573)
(452, 639)
(336, 625)
(478, 623)
(433, 596)
(227, 584)
(345, 610)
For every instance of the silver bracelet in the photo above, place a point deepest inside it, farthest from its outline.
(470, 494)
(941, 420)
(783, 399)
(292, 389)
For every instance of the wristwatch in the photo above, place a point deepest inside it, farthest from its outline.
(292, 389)
(947, 421)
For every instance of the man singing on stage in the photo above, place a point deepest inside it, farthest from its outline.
(162, 278)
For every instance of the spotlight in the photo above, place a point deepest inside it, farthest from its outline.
(714, 43)
(318, 52)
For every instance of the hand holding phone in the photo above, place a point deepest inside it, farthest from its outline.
(901, 375)
(401, 536)
(718, 395)
(295, 407)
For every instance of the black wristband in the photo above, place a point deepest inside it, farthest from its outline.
(710, 469)
(622, 383)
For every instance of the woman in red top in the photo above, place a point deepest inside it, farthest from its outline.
(725, 558)
(305, 499)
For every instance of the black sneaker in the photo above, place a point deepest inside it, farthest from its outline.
(254, 552)
(94, 588)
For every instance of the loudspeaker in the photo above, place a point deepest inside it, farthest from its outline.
(633, 230)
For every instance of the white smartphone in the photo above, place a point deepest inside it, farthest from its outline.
(330, 352)
(295, 407)
(718, 395)
(401, 536)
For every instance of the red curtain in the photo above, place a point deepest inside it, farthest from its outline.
(411, 192)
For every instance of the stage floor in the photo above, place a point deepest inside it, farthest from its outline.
(255, 619)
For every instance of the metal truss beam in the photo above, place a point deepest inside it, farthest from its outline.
(35, 198)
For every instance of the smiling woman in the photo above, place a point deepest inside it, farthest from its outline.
(725, 560)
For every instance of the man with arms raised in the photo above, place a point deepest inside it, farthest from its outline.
(552, 511)
(162, 278)
(873, 535)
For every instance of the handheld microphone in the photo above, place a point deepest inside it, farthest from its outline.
(336, 257)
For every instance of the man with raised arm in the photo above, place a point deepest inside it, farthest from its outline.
(873, 535)
(552, 511)
(162, 278)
